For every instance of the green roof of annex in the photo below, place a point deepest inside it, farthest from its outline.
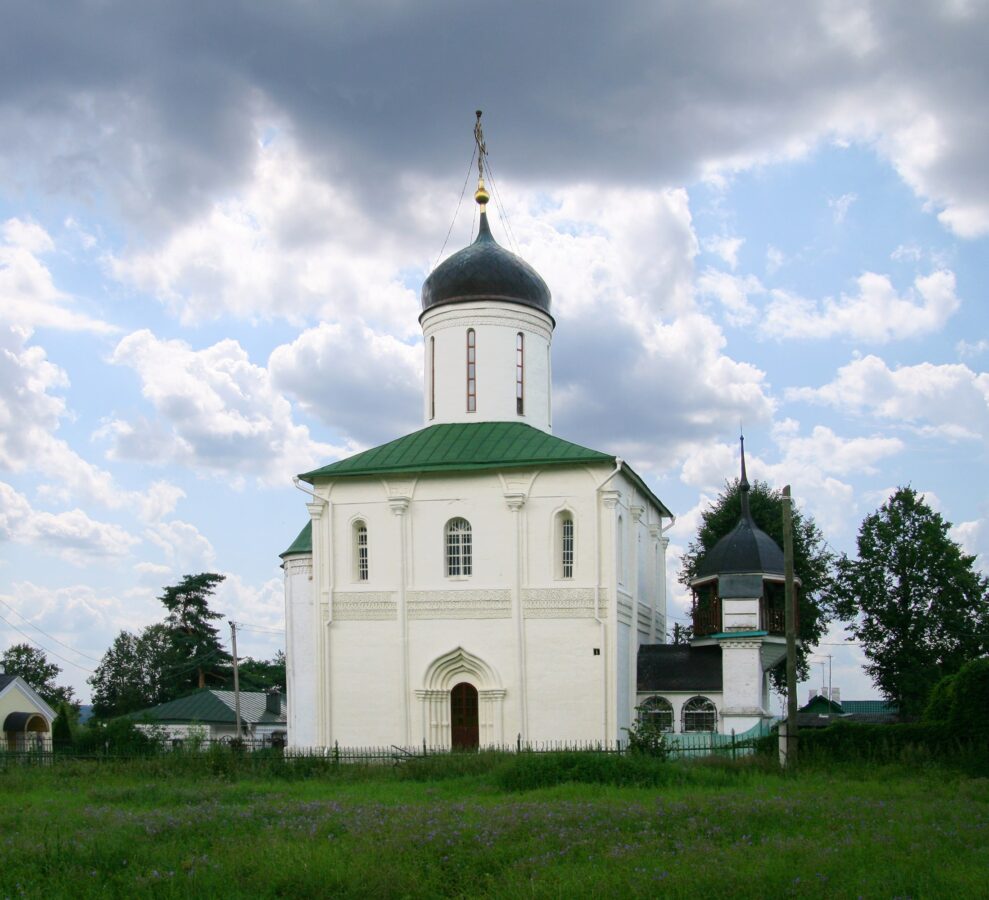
(465, 447)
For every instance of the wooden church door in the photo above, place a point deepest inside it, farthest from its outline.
(463, 717)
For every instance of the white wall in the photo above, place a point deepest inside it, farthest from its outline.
(360, 652)
(496, 325)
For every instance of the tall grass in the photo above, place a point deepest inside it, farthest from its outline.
(490, 825)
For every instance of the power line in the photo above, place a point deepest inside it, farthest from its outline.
(248, 627)
(40, 646)
(46, 634)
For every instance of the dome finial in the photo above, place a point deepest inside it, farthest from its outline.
(481, 196)
(743, 485)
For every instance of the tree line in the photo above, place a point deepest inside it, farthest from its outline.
(164, 661)
(911, 597)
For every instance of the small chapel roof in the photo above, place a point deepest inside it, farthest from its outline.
(746, 548)
(302, 543)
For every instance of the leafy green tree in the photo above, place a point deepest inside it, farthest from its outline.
(197, 655)
(916, 602)
(135, 673)
(32, 665)
(813, 562)
(261, 674)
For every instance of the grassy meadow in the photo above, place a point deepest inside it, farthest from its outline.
(491, 827)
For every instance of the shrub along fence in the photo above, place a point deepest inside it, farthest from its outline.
(128, 745)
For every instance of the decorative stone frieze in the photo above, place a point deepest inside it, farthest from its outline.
(364, 605)
(561, 603)
(471, 604)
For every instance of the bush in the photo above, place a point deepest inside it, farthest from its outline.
(939, 705)
(970, 701)
(119, 737)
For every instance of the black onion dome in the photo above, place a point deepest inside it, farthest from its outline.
(746, 548)
(485, 271)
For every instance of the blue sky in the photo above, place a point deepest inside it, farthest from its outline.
(214, 223)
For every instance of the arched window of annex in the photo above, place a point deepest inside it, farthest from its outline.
(656, 713)
(362, 569)
(699, 714)
(458, 549)
(520, 374)
(565, 544)
(471, 370)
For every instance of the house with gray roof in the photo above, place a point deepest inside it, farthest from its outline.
(212, 715)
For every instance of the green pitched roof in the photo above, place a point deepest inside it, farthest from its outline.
(472, 446)
(213, 707)
(303, 543)
(462, 447)
(869, 707)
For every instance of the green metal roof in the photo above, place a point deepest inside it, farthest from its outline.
(303, 543)
(869, 707)
(471, 446)
(213, 707)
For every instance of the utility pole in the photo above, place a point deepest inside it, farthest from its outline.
(791, 634)
(233, 647)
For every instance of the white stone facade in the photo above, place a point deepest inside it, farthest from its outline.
(372, 661)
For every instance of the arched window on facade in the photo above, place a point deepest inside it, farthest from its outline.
(566, 553)
(520, 373)
(699, 714)
(471, 370)
(657, 713)
(432, 377)
(459, 559)
(361, 569)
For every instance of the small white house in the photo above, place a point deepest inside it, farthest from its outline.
(27, 719)
(210, 715)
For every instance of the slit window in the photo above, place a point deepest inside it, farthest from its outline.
(520, 373)
(432, 378)
(471, 370)
(566, 546)
(360, 551)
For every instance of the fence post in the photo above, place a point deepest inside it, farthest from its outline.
(733, 744)
(518, 743)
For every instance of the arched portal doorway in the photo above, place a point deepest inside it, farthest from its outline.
(464, 732)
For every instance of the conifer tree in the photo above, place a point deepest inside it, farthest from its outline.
(198, 655)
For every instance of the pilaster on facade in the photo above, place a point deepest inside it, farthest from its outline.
(610, 498)
(515, 501)
(399, 505)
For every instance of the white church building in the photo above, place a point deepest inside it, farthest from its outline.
(481, 580)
